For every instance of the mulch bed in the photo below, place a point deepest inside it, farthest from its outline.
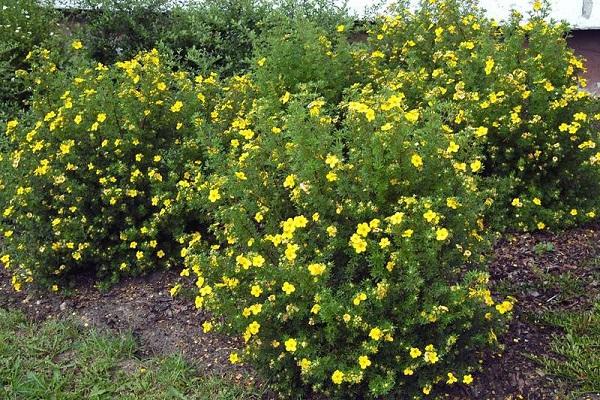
(166, 325)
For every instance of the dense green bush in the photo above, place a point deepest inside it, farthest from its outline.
(205, 36)
(95, 166)
(516, 87)
(23, 25)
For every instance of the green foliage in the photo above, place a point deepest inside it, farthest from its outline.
(95, 166)
(59, 359)
(576, 348)
(205, 36)
(23, 25)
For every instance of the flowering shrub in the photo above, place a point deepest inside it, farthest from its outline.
(345, 244)
(92, 176)
(516, 87)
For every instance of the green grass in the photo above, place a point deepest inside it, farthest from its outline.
(61, 360)
(577, 349)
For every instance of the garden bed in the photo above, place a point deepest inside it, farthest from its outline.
(544, 271)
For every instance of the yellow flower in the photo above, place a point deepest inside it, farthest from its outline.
(331, 231)
(408, 371)
(384, 242)
(253, 328)
(537, 5)
(291, 345)
(364, 362)
(489, 65)
(427, 389)
(77, 45)
(290, 181)
(207, 326)
(416, 161)
(341, 28)
(177, 106)
(537, 201)
(288, 288)
(234, 358)
(516, 202)
(467, 379)
(261, 62)
(412, 116)
(476, 165)
(452, 203)
(290, 251)
(316, 269)
(359, 297)
(573, 212)
(431, 357)
(331, 176)
(396, 218)
(358, 243)
(256, 291)
(504, 307)
(375, 334)
(337, 377)
(451, 378)
(363, 229)
(481, 131)
(415, 352)
(541, 225)
(441, 234)
(101, 117)
(452, 147)
(214, 195)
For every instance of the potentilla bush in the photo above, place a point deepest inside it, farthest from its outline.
(517, 87)
(93, 174)
(345, 244)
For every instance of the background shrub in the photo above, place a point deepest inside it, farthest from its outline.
(23, 25)
(95, 166)
(204, 36)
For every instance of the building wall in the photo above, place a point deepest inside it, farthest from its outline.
(587, 44)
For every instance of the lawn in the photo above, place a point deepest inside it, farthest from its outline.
(60, 359)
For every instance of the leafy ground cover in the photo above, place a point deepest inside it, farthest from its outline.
(550, 351)
(58, 359)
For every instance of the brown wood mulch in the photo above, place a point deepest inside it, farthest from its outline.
(520, 267)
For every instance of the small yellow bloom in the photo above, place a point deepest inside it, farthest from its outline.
(207, 326)
(291, 345)
(77, 45)
(214, 195)
(441, 234)
(364, 362)
(415, 352)
(337, 377)
(416, 161)
(375, 334)
(467, 379)
(288, 288)
(234, 358)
